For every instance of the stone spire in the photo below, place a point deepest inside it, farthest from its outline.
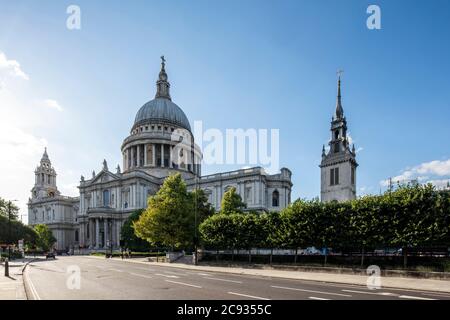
(162, 85)
(339, 110)
(45, 157)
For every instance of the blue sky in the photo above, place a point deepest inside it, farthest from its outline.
(231, 64)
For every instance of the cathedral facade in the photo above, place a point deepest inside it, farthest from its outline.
(160, 143)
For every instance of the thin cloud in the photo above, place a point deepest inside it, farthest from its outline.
(11, 68)
(52, 104)
(427, 172)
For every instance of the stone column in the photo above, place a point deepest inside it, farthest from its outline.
(154, 154)
(81, 234)
(117, 230)
(170, 156)
(162, 154)
(145, 154)
(91, 233)
(138, 155)
(113, 232)
(105, 233)
(128, 158)
(97, 233)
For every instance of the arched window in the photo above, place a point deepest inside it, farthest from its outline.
(275, 198)
(76, 235)
(336, 135)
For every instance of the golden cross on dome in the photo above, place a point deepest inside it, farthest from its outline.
(339, 73)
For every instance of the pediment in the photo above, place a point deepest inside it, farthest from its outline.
(104, 176)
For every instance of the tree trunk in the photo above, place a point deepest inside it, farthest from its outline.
(325, 258)
(217, 255)
(405, 257)
(271, 255)
(295, 258)
(232, 254)
(250, 256)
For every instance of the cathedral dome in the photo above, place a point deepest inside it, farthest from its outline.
(162, 109)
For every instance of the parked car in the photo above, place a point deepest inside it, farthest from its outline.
(50, 254)
(312, 251)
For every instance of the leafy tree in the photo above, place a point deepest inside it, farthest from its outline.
(299, 224)
(249, 231)
(168, 219)
(232, 202)
(5, 206)
(204, 209)
(220, 231)
(128, 234)
(272, 231)
(18, 231)
(45, 239)
(413, 216)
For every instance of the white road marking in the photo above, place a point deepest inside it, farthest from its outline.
(165, 275)
(112, 269)
(140, 275)
(437, 295)
(248, 296)
(203, 274)
(170, 272)
(184, 284)
(222, 279)
(316, 298)
(145, 269)
(33, 289)
(373, 293)
(417, 298)
(313, 291)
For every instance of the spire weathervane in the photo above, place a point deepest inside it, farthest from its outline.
(162, 85)
(339, 109)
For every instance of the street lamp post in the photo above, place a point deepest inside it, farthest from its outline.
(9, 227)
(195, 222)
(110, 235)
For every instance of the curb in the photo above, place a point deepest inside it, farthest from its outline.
(30, 292)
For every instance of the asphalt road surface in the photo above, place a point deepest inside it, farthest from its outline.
(115, 279)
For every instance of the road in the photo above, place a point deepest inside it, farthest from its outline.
(122, 280)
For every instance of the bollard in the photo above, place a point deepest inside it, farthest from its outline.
(6, 267)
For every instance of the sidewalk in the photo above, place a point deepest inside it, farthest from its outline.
(12, 287)
(386, 282)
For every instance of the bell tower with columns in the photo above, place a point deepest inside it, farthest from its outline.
(338, 166)
(45, 179)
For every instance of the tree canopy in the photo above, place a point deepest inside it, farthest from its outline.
(45, 239)
(232, 202)
(5, 206)
(412, 216)
(128, 235)
(168, 219)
